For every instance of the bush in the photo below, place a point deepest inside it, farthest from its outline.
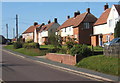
(63, 51)
(17, 45)
(31, 45)
(81, 50)
(70, 44)
(9, 43)
(46, 42)
(54, 50)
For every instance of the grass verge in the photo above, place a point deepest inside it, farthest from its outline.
(101, 63)
(30, 52)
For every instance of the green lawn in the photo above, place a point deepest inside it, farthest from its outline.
(97, 48)
(47, 46)
(30, 52)
(100, 63)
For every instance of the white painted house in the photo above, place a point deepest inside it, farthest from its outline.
(44, 31)
(28, 35)
(103, 30)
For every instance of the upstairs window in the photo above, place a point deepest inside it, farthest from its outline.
(110, 23)
(86, 25)
(65, 29)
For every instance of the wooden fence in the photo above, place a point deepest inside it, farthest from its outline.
(113, 50)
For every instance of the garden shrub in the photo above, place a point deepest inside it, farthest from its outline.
(17, 45)
(31, 45)
(63, 51)
(9, 43)
(54, 50)
(46, 42)
(80, 50)
(70, 44)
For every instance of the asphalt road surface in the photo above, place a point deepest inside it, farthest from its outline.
(18, 69)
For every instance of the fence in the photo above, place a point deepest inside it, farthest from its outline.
(112, 50)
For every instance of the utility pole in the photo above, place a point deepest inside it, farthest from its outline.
(13, 33)
(17, 27)
(7, 30)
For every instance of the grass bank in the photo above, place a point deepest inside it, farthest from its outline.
(101, 63)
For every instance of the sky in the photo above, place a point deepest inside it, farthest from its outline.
(41, 12)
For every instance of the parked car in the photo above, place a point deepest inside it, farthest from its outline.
(114, 41)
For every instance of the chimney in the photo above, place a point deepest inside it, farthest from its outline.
(106, 6)
(42, 24)
(88, 10)
(35, 23)
(55, 20)
(68, 17)
(76, 13)
(49, 22)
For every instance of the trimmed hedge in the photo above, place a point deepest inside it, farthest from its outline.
(17, 45)
(31, 45)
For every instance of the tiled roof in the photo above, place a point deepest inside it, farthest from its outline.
(31, 29)
(75, 21)
(117, 8)
(103, 17)
(46, 27)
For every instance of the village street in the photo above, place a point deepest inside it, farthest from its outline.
(18, 69)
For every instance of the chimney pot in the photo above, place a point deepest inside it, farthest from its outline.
(68, 17)
(35, 23)
(55, 20)
(88, 10)
(106, 6)
(76, 13)
(49, 22)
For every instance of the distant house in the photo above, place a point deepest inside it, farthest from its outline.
(3, 40)
(79, 27)
(103, 30)
(42, 33)
(28, 35)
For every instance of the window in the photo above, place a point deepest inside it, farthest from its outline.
(65, 29)
(110, 23)
(69, 28)
(108, 38)
(86, 25)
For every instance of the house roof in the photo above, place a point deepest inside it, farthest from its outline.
(75, 21)
(117, 8)
(46, 27)
(31, 29)
(103, 17)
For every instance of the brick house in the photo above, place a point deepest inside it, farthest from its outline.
(29, 33)
(103, 30)
(44, 31)
(79, 27)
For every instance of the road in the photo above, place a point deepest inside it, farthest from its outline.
(15, 68)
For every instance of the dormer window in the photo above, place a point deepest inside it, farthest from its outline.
(86, 25)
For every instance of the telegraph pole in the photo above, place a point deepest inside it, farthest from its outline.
(13, 33)
(17, 27)
(7, 30)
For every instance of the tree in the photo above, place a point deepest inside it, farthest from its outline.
(117, 30)
(54, 40)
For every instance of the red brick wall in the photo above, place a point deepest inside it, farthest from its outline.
(95, 39)
(76, 33)
(62, 58)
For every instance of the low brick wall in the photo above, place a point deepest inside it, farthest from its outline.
(62, 58)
